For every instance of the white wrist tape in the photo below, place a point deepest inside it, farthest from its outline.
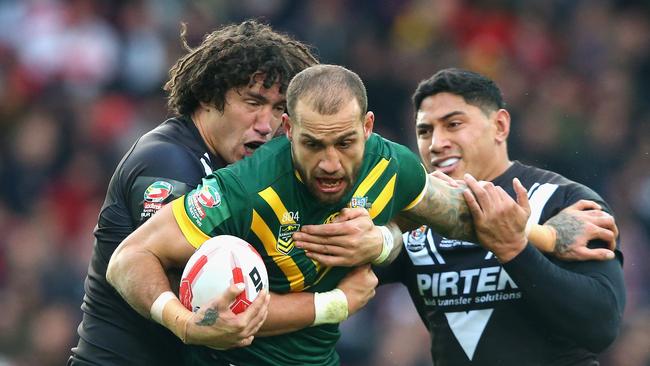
(331, 307)
(159, 305)
(387, 246)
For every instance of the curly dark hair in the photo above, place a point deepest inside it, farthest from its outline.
(228, 58)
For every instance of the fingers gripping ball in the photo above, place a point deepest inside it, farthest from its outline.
(218, 263)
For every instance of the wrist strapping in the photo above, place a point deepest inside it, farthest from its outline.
(159, 305)
(331, 307)
(529, 226)
(543, 237)
(168, 311)
(387, 245)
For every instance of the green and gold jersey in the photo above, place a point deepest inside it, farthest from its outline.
(263, 201)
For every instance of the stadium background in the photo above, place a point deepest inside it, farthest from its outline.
(80, 80)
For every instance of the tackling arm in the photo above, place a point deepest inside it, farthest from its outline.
(137, 271)
(566, 235)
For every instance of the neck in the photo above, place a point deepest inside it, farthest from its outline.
(501, 163)
(199, 121)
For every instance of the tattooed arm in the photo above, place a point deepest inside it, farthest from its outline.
(579, 223)
(442, 208)
(137, 271)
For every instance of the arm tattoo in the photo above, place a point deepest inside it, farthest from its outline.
(444, 209)
(567, 228)
(209, 318)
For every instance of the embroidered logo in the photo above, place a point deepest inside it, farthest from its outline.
(158, 191)
(360, 202)
(285, 237)
(416, 239)
(154, 196)
(208, 196)
(331, 218)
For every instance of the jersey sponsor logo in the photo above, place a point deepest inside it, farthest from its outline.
(417, 239)
(158, 191)
(208, 196)
(475, 281)
(452, 243)
(285, 237)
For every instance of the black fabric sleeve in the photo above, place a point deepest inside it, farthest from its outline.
(160, 162)
(583, 301)
(394, 272)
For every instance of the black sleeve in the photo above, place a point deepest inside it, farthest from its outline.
(394, 272)
(583, 301)
(156, 173)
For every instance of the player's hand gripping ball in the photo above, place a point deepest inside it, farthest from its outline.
(218, 263)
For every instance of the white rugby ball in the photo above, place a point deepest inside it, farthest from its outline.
(218, 263)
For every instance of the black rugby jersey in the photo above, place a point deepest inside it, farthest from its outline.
(162, 165)
(534, 310)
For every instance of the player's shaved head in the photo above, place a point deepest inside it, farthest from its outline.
(325, 89)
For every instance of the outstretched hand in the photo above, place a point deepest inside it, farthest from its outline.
(499, 221)
(350, 240)
(580, 223)
(216, 326)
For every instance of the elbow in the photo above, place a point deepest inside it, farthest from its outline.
(604, 332)
(114, 264)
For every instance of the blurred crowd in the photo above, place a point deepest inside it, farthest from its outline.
(80, 80)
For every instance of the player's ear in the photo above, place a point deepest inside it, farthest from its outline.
(368, 124)
(502, 124)
(205, 106)
(287, 125)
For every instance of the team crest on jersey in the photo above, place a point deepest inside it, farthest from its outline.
(285, 239)
(158, 191)
(208, 196)
(360, 202)
(416, 239)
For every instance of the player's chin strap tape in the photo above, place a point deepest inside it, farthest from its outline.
(331, 307)
(159, 305)
(387, 246)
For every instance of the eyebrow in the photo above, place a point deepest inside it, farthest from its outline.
(260, 98)
(451, 114)
(342, 137)
(443, 118)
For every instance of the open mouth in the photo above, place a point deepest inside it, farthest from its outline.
(250, 147)
(330, 185)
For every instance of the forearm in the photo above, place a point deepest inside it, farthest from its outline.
(126, 272)
(584, 304)
(444, 209)
(288, 313)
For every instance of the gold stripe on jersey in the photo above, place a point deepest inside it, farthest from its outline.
(421, 195)
(192, 233)
(383, 198)
(371, 178)
(286, 264)
(271, 197)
